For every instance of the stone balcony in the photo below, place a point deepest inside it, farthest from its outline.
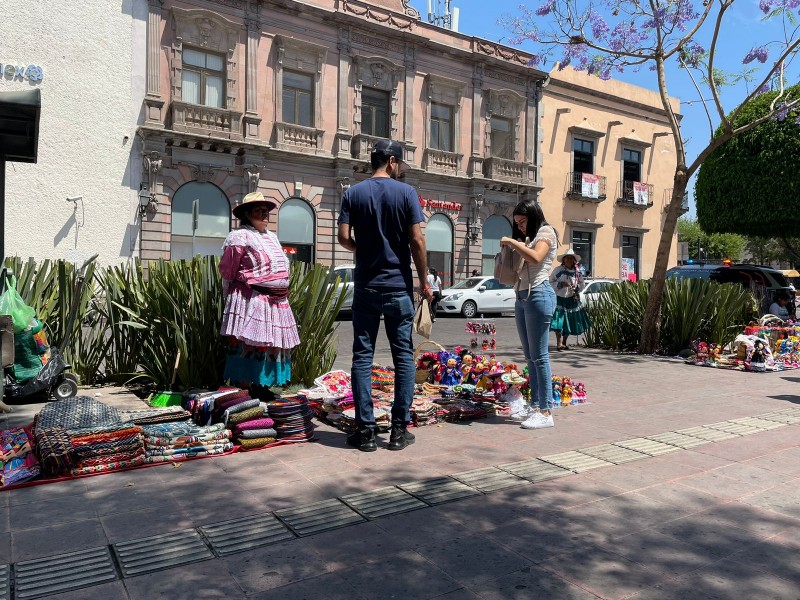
(362, 146)
(442, 161)
(194, 118)
(298, 137)
(502, 169)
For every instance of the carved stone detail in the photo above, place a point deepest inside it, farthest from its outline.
(502, 52)
(507, 77)
(381, 15)
(252, 176)
(367, 40)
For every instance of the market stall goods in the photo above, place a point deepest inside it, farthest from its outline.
(18, 463)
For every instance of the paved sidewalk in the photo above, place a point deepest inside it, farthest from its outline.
(718, 520)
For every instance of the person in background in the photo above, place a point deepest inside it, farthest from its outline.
(435, 283)
(570, 317)
(475, 273)
(779, 308)
(385, 215)
(536, 242)
(257, 319)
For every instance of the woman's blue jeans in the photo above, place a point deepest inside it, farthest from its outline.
(397, 309)
(533, 313)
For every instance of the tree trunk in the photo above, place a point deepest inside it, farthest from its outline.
(652, 315)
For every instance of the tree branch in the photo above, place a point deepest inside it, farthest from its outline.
(725, 4)
(700, 93)
(687, 38)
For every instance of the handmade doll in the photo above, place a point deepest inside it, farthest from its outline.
(513, 395)
(566, 391)
(714, 355)
(450, 374)
(478, 376)
(701, 354)
(758, 358)
(579, 394)
(556, 399)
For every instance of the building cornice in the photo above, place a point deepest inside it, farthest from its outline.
(613, 102)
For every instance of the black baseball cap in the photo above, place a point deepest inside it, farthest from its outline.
(383, 149)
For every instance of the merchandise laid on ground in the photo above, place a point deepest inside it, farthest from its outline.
(81, 436)
(760, 349)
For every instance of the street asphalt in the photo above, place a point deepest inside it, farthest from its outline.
(674, 481)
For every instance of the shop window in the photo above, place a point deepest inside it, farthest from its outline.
(298, 98)
(201, 218)
(203, 78)
(494, 228)
(441, 127)
(631, 245)
(583, 244)
(296, 229)
(375, 112)
(439, 243)
(502, 138)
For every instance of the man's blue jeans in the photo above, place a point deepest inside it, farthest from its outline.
(533, 313)
(397, 309)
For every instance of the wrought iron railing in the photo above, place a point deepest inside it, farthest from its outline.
(503, 169)
(684, 203)
(635, 194)
(186, 116)
(581, 188)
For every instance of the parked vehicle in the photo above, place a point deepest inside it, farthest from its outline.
(345, 275)
(764, 281)
(477, 295)
(594, 290)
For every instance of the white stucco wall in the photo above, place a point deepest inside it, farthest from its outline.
(92, 54)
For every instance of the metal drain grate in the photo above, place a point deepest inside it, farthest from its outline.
(735, 428)
(535, 470)
(647, 446)
(60, 574)
(5, 582)
(161, 552)
(710, 435)
(318, 517)
(757, 422)
(383, 502)
(673, 438)
(239, 535)
(576, 461)
(439, 490)
(613, 454)
(781, 417)
(489, 479)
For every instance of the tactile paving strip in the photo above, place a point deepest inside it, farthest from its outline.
(711, 435)
(736, 428)
(489, 479)
(318, 517)
(576, 462)
(647, 446)
(678, 439)
(535, 470)
(161, 552)
(757, 422)
(5, 582)
(439, 490)
(239, 535)
(383, 502)
(787, 418)
(614, 454)
(57, 575)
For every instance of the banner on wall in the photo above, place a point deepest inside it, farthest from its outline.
(590, 185)
(641, 193)
(627, 270)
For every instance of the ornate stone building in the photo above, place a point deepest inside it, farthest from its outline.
(287, 97)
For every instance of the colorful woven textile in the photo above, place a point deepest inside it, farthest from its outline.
(191, 450)
(256, 424)
(78, 412)
(165, 417)
(20, 469)
(168, 441)
(54, 448)
(246, 415)
(112, 458)
(110, 466)
(14, 443)
(109, 448)
(177, 429)
(236, 402)
(255, 443)
(186, 456)
(230, 394)
(251, 434)
(239, 408)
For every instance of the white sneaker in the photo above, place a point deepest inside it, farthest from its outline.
(538, 421)
(522, 412)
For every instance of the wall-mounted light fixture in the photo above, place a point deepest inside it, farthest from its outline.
(148, 203)
(474, 219)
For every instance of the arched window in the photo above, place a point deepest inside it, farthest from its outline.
(204, 234)
(439, 243)
(494, 228)
(296, 229)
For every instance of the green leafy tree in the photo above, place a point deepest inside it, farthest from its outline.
(764, 251)
(606, 36)
(715, 246)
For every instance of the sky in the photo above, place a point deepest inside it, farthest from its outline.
(742, 29)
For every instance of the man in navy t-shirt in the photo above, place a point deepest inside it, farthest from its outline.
(380, 221)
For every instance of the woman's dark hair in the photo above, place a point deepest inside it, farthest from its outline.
(433, 272)
(782, 295)
(532, 210)
(244, 220)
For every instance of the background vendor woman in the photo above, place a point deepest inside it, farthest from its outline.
(570, 317)
(257, 320)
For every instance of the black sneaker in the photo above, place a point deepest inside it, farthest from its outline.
(400, 438)
(363, 439)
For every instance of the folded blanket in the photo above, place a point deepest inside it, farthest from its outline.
(14, 443)
(98, 449)
(54, 447)
(227, 396)
(105, 432)
(111, 466)
(171, 440)
(237, 408)
(177, 429)
(19, 469)
(160, 458)
(246, 415)
(252, 434)
(112, 458)
(194, 450)
(255, 443)
(256, 424)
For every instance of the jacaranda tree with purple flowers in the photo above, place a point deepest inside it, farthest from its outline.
(604, 37)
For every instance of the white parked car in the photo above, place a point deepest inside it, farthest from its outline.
(477, 295)
(594, 290)
(345, 275)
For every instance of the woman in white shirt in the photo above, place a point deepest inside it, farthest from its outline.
(435, 283)
(536, 242)
(778, 308)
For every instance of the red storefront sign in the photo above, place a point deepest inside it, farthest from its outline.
(440, 204)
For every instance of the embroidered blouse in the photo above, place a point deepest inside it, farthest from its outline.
(566, 282)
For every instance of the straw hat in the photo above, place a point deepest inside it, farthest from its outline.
(514, 378)
(570, 252)
(253, 199)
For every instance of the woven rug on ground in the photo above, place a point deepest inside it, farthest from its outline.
(77, 412)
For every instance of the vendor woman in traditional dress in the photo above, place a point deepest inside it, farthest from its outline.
(257, 320)
(570, 317)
